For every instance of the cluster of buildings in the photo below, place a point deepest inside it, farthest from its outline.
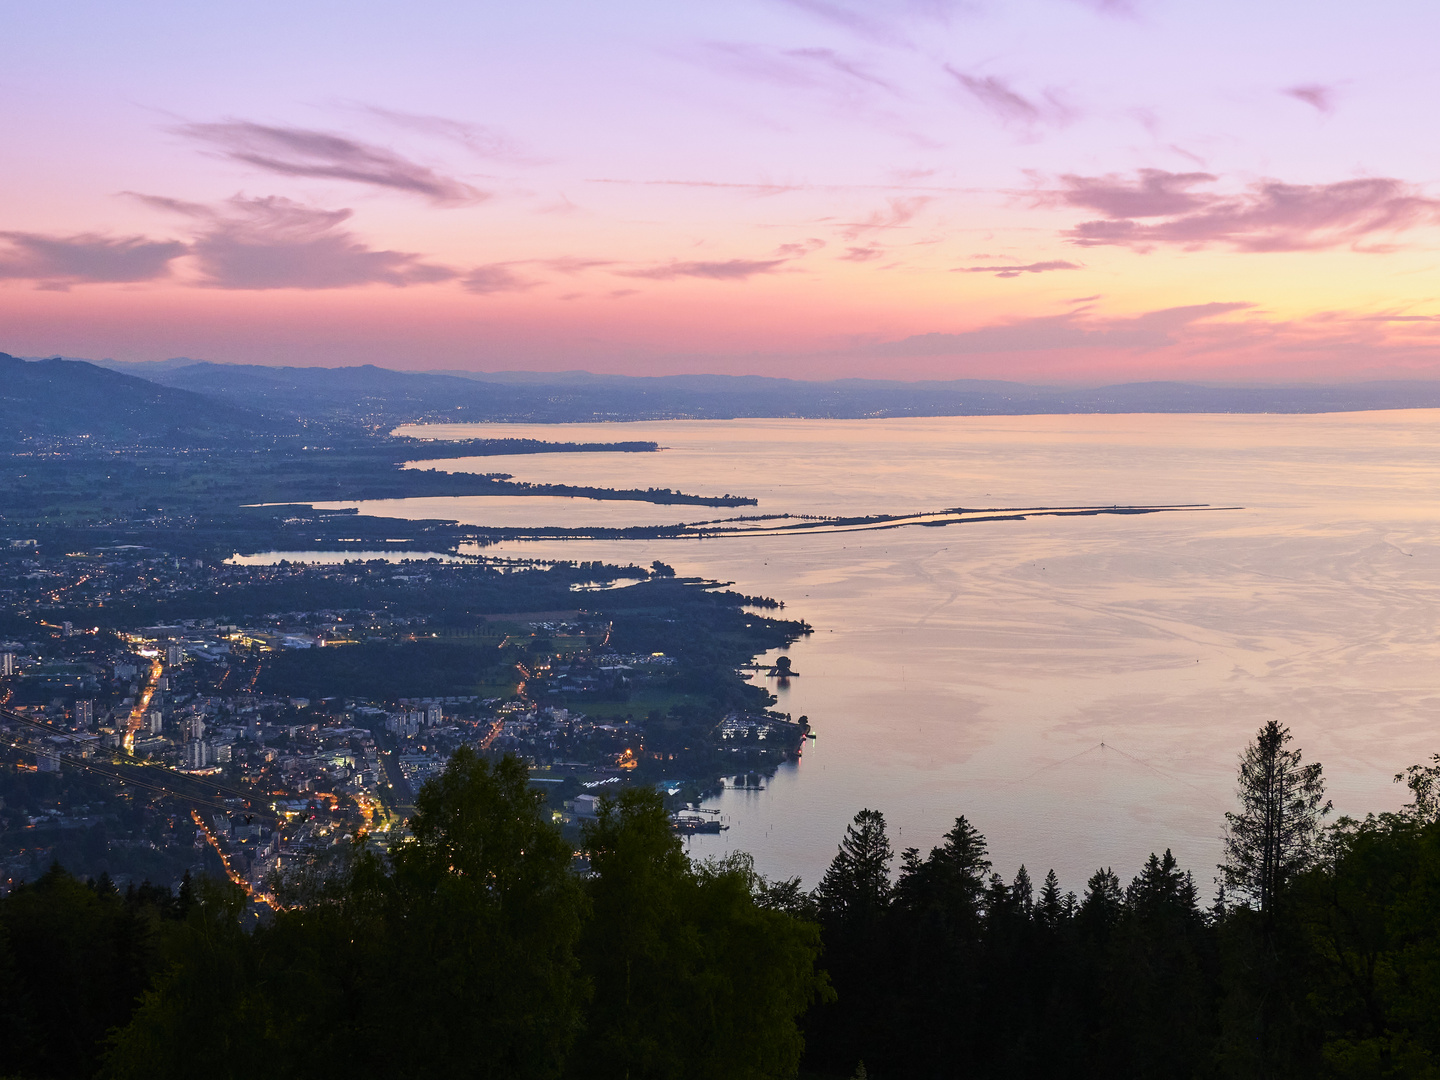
(298, 776)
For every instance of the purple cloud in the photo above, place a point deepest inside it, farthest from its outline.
(1319, 97)
(1270, 216)
(61, 261)
(1152, 330)
(300, 152)
(865, 253)
(496, 278)
(1011, 107)
(273, 243)
(1153, 193)
(171, 206)
(726, 270)
(1016, 271)
(573, 264)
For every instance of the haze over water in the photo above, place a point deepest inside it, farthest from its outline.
(976, 669)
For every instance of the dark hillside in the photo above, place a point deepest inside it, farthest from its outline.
(355, 395)
(68, 400)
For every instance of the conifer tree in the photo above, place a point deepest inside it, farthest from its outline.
(856, 887)
(1160, 885)
(1022, 892)
(1274, 835)
(1050, 909)
(1103, 905)
(952, 878)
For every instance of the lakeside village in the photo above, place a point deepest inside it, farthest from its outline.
(253, 744)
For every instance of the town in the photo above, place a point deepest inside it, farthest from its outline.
(166, 715)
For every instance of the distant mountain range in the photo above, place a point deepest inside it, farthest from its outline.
(72, 399)
(181, 400)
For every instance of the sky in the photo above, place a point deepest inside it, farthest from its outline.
(1043, 190)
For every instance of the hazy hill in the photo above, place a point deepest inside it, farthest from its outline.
(357, 394)
(74, 399)
(377, 395)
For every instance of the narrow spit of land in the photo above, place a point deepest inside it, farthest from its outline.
(794, 524)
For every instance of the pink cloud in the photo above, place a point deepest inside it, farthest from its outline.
(1016, 271)
(799, 249)
(496, 278)
(724, 270)
(61, 261)
(573, 264)
(274, 243)
(1270, 216)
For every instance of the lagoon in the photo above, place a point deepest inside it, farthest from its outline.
(1080, 688)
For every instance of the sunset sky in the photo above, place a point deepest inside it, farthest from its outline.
(1045, 190)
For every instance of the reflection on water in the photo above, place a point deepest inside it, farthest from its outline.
(979, 668)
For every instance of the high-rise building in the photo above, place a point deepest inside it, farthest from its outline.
(174, 655)
(66, 629)
(198, 754)
(7, 663)
(433, 715)
(156, 721)
(83, 715)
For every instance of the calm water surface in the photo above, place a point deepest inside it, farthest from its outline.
(1079, 688)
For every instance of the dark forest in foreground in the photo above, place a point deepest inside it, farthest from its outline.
(477, 949)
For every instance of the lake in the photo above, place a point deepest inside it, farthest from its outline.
(1080, 688)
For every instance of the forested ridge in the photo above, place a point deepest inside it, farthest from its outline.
(476, 948)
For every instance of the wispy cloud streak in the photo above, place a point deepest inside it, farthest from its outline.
(495, 278)
(1016, 271)
(1009, 106)
(723, 270)
(1319, 97)
(300, 152)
